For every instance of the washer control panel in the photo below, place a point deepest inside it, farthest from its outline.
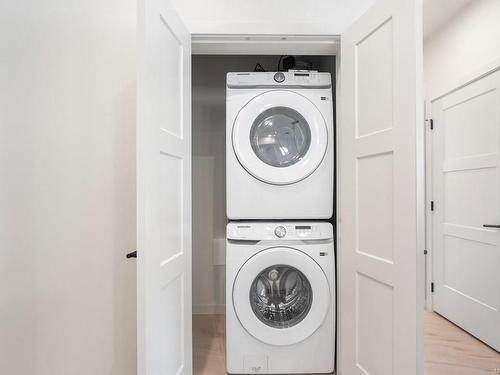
(289, 231)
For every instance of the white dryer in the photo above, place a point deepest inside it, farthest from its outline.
(279, 145)
(280, 298)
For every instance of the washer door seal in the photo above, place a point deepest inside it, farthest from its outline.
(244, 282)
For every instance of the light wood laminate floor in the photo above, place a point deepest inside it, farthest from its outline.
(452, 351)
(448, 349)
(208, 345)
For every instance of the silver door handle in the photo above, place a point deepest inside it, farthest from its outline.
(491, 225)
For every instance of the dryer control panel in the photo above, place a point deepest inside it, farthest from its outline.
(284, 231)
(297, 79)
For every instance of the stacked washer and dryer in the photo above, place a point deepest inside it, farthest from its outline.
(280, 259)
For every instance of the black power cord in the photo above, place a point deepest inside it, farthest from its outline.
(259, 68)
(279, 62)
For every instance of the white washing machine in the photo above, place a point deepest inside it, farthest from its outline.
(279, 145)
(280, 298)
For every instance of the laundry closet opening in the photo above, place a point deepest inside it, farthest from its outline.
(209, 191)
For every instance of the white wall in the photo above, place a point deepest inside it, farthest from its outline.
(456, 51)
(461, 47)
(270, 17)
(67, 191)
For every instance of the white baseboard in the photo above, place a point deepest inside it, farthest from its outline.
(209, 309)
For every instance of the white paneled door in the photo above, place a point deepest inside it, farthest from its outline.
(380, 258)
(163, 191)
(466, 216)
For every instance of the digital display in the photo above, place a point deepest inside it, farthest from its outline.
(301, 74)
(302, 227)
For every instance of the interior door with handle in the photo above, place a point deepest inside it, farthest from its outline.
(466, 216)
(380, 247)
(163, 191)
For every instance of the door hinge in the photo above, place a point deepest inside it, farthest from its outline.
(425, 252)
(432, 287)
(432, 205)
(431, 123)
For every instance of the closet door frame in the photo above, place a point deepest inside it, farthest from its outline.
(323, 45)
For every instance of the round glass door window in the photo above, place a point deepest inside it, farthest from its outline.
(281, 296)
(280, 136)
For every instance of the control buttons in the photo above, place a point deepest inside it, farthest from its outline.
(279, 77)
(303, 232)
(280, 231)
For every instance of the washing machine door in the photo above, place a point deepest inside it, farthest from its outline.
(281, 296)
(280, 137)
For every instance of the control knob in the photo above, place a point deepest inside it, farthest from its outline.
(279, 77)
(280, 231)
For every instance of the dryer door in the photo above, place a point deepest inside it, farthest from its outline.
(281, 296)
(280, 137)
